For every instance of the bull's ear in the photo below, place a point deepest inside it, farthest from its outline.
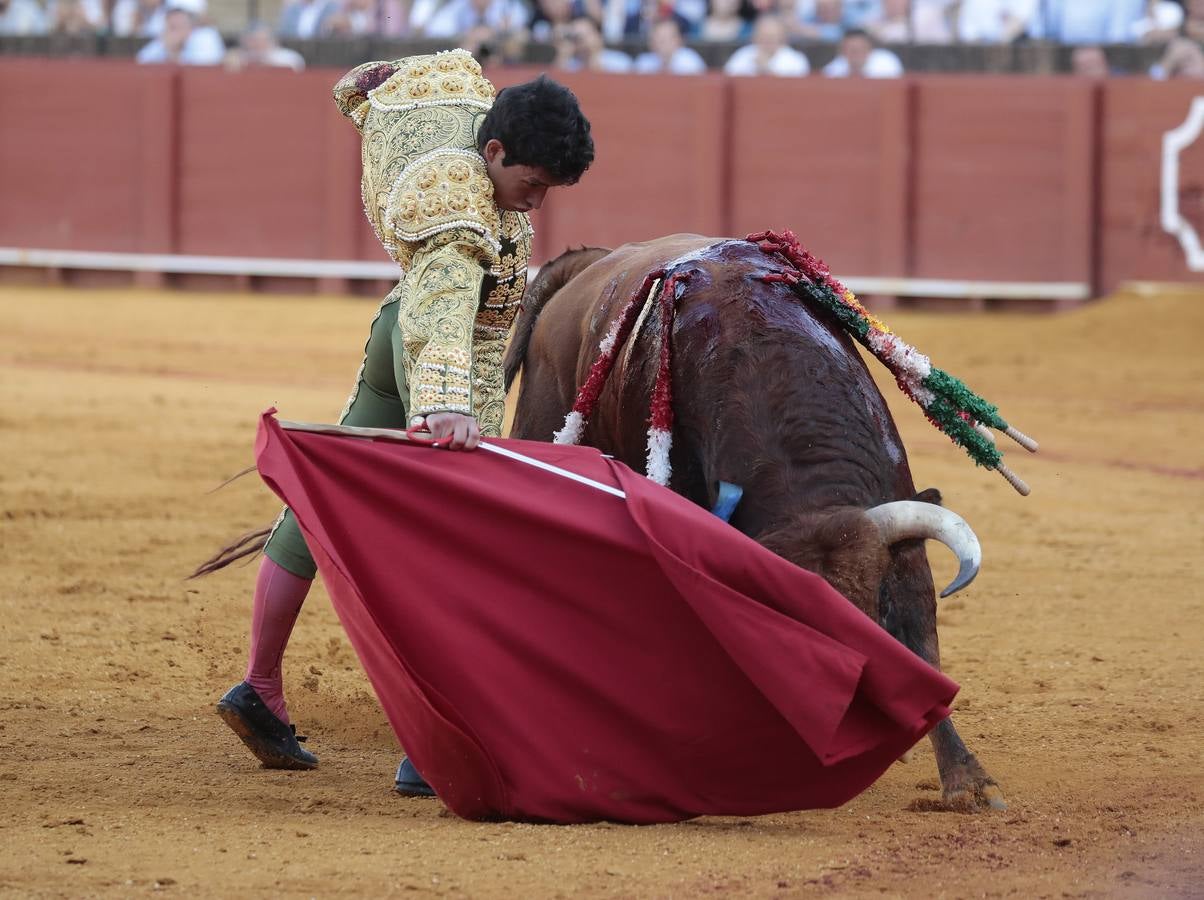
(929, 495)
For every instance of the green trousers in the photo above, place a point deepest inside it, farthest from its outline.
(378, 400)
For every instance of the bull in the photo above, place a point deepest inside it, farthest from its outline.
(770, 395)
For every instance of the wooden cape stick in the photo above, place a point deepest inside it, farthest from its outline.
(399, 436)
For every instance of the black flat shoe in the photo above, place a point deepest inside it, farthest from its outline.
(409, 783)
(274, 743)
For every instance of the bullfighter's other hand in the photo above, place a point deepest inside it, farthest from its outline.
(453, 431)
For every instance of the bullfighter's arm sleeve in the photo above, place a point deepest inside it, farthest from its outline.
(440, 296)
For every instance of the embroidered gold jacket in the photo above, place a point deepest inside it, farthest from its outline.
(429, 198)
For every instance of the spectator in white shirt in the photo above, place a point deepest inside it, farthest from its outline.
(1087, 21)
(581, 49)
(257, 47)
(184, 40)
(915, 22)
(994, 21)
(859, 58)
(22, 18)
(934, 21)
(457, 17)
(668, 53)
(303, 19)
(768, 54)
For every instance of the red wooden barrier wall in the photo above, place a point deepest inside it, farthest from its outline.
(828, 160)
(265, 165)
(1004, 179)
(86, 156)
(1007, 179)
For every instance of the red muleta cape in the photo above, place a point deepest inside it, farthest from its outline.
(547, 651)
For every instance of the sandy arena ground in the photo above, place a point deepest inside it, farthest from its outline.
(1079, 649)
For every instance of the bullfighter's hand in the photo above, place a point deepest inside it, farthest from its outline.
(453, 431)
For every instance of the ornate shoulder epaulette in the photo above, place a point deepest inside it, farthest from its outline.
(351, 91)
(439, 191)
(451, 78)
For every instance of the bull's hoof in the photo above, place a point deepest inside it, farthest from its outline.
(973, 794)
(987, 797)
(993, 796)
(965, 788)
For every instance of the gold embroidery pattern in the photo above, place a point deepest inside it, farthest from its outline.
(441, 190)
(437, 140)
(438, 305)
(454, 340)
(449, 78)
(429, 199)
(351, 91)
(430, 104)
(489, 405)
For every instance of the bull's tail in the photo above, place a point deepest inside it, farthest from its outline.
(551, 278)
(250, 543)
(241, 547)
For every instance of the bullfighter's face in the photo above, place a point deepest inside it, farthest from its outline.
(515, 187)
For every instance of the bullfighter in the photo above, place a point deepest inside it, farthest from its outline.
(450, 172)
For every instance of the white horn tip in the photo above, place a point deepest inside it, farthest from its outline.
(965, 575)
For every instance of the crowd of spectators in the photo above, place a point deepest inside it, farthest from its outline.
(597, 34)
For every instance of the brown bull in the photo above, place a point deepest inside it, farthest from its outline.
(769, 395)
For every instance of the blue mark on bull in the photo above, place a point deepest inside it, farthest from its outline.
(729, 496)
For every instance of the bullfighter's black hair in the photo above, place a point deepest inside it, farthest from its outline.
(540, 124)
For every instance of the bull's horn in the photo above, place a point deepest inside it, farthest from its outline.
(906, 519)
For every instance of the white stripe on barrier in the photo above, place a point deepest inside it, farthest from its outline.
(356, 269)
(995, 290)
(207, 265)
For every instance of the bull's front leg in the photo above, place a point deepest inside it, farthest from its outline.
(907, 610)
(965, 784)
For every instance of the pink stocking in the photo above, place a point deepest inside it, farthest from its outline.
(278, 598)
